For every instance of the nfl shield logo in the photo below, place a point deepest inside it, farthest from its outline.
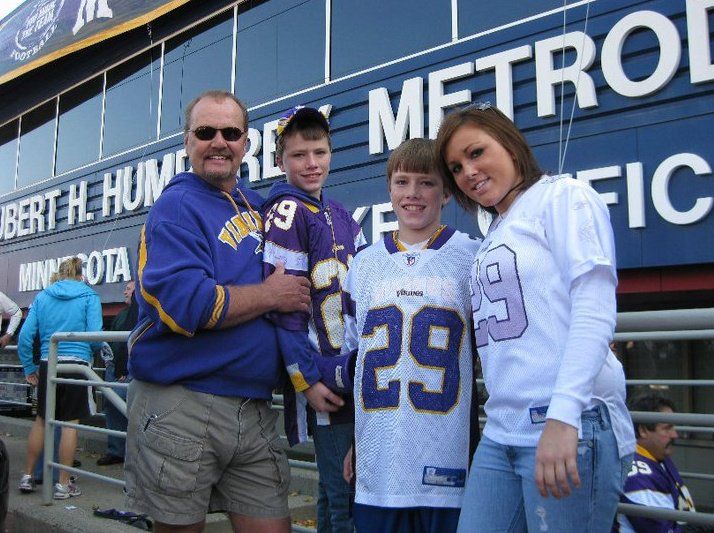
(411, 259)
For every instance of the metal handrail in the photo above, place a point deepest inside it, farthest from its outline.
(696, 419)
(675, 319)
(51, 398)
(13, 348)
(684, 335)
(690, 323)
(690, 517)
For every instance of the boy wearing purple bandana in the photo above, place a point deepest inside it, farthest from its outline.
(315, 237)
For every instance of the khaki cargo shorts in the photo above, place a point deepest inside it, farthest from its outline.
(190, 452)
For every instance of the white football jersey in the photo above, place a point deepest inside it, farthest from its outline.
(410, 321)
(555, 231)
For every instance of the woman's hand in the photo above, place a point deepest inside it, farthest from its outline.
(556, 459)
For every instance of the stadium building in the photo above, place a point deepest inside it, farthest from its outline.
(617, 93)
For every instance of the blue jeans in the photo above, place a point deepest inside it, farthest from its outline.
(335, 495)
(114, 419)
(501, 494)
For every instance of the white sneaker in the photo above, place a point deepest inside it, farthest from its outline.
(27, 484)
(64, 492)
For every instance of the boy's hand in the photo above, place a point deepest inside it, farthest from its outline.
(322, 399)
(32, 379)
(290, 293)
(348, 469)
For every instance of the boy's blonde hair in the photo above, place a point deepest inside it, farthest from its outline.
(415, 155)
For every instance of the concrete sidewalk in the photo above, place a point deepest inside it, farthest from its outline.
(28, 514)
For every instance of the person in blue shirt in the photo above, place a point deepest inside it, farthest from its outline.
(67, 305)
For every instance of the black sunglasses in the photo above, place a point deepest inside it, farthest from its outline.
(206, 133)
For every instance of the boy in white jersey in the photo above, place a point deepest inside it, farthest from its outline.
(408, 319)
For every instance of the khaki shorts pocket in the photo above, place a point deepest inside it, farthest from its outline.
(169, 461)
(278, 457)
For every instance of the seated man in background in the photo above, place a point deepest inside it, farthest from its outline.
(654, 480)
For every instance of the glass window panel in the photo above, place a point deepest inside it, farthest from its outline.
(37, 139)
(8, 156)
(475, 17)
(364, 33)
(131, 103)
(80, 121)
(272, 62)
(194, 62)
(656, 360)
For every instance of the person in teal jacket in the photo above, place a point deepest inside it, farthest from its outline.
(67, 305)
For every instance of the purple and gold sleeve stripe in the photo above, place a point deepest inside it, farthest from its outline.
(218, 307)
(297, 378)
(150, 298)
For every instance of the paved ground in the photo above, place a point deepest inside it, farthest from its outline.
(27, 513)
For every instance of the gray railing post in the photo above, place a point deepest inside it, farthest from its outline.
(50, 402)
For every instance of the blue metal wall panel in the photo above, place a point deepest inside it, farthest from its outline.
(620, 130)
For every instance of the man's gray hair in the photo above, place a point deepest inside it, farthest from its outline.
(214, 94)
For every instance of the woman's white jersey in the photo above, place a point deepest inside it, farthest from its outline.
(524, 275)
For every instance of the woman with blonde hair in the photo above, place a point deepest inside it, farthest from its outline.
(558, 439)
(68, 304)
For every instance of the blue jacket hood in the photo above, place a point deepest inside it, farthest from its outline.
(67, 305)
(286, 189)
(68, 289)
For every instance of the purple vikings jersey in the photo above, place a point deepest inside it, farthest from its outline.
(655, 484)
(317, 240)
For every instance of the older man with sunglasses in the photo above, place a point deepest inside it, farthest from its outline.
(204, 358)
